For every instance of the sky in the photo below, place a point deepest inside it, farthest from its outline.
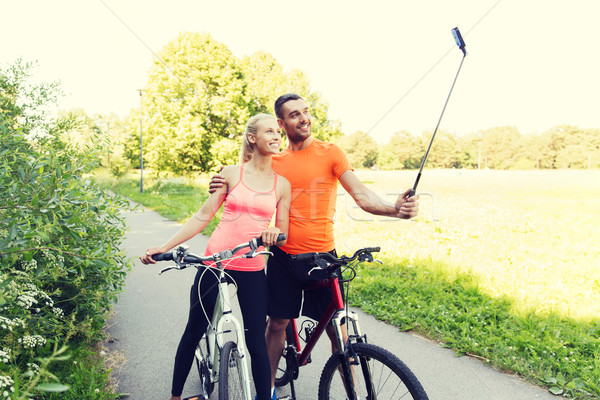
(383, 65)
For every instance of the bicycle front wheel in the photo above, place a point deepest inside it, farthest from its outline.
(378, 375)
(231, 375)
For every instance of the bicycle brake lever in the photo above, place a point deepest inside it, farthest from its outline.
(377, 260)
(254, 254)
(168, 269)
(264, 252)
(321, 265)
(315, 268)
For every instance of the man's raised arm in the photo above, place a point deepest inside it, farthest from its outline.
(405, 207)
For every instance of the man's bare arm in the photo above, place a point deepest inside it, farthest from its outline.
(405, 207)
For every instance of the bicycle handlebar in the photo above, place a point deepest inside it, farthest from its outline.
(363, 254)
(327, 263)
(168, 256)
(182, 257)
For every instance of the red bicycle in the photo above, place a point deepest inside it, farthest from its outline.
(374, 373)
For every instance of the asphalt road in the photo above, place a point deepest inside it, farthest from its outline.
(151, 314)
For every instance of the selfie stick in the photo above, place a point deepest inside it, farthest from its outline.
(461, 45)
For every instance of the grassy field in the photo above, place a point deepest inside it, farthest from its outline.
(502, 266)
(531, 236)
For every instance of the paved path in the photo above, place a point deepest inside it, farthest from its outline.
(152, 312)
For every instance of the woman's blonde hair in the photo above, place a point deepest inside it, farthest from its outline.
(251, 127)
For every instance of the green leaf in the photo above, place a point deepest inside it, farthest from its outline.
(579, 383)
(52, 387)
(12, 232)
(556, 390)
(28, 256)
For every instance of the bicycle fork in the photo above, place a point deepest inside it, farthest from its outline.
(223, 316)
(348, 358)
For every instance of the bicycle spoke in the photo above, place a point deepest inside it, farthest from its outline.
(380, 375)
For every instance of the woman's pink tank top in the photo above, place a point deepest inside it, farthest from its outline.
(245, 215)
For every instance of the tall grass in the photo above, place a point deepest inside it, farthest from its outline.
(500, 265)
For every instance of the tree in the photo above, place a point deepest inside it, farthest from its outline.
(193, 99)
(403, 151)
(198, 99)
(263, 80)
(445, 151)
(360, 148)
(498, 146)
(577, 144)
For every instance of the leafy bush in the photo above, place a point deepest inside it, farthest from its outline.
(60, 263)
(119, 168)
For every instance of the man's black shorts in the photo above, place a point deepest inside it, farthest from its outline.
(286, 280)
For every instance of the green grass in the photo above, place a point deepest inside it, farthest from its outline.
(503, 266)
(548, 350)
(177, 199)
(86, 379)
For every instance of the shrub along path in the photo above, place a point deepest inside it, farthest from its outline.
(152, 312)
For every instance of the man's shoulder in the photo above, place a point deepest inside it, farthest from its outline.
(326, 146)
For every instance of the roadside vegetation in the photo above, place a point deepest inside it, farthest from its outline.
(483, 269)
(60, 263)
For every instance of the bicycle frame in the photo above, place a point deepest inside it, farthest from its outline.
(366, 370)
(222, 312)
(335, 312)
(222, 316)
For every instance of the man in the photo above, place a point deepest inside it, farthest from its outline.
(313, 168)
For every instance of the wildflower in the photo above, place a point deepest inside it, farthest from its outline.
(33, 367)
(9, 324)
(26, 299)
(32, 341)
(5, 355)
(5, 382)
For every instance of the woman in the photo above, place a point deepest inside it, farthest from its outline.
(256, 194)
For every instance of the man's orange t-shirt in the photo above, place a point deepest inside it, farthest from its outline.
(313, 173)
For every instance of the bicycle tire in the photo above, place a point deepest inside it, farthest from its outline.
(284, 373)
(206, 384)
(391, 378)
(231, 384)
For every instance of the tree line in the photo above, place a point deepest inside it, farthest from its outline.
(503, 147)
(199, 95)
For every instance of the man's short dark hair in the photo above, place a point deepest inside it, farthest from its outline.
(284, 99)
